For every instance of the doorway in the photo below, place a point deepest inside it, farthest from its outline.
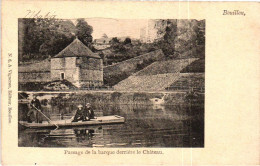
(62, 76)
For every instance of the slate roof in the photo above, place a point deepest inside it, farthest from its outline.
(76, 49)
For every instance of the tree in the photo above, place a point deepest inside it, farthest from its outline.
(84, 31)
(57, 35)
(170, 34)
(55, 44)
(39, 38)
(114, 40)
(127, 40)
(28, 36)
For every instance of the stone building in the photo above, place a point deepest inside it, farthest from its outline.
(78, 65)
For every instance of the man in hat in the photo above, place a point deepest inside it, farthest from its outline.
(80, 114)
(35, 108)
(89, 112)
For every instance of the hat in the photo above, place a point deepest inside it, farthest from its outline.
(80, 105)
(88, 104)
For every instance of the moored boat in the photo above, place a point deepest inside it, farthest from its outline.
(68, 122)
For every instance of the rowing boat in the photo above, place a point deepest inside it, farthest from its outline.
(68, 122)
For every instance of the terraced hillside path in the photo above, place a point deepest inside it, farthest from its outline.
(155, 77)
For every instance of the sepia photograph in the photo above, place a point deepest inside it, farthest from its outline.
(130, 83)
(99, 82)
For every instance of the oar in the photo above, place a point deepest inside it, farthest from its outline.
(43, 114)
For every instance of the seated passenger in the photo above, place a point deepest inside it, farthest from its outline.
(89, 112)
(80, 114)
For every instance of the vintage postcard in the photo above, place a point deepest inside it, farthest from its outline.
(130, 83)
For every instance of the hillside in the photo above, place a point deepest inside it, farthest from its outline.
(164, 67)
(197, 66)
(155, 77)
(191, 77)
(147, 83)
(195, 81)
(120, 71)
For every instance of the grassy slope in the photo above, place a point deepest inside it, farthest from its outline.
(189, 80)
(181, 74)
(193, 76)
(157, 76)
(164, 67)
(197, 66)
(120, 71)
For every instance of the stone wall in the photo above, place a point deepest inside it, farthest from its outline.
(71, 75)
(90, 63)
(91, 78)
(34, 77)
(79, 71)
(90, 72)
(67, 66)
(90, 83)
(91, 75)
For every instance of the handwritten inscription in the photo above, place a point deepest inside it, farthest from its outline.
(234, 12)
(39, 14)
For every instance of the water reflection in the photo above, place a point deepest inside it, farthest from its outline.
(83, 134)
(145, 126)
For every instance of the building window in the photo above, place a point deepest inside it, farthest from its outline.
(62, 76)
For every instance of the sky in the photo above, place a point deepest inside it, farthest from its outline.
(116, 27)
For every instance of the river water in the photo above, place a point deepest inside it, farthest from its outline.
(180, 125)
